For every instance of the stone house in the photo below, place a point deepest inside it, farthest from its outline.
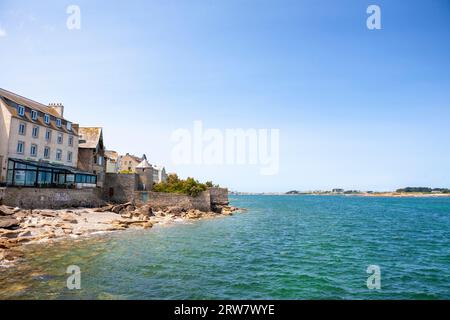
(91, 152)
(128, 163)
(38, 146)
(112, 161)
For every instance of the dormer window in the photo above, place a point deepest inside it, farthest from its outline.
(46, 118)
(21, 110)
(69, 126)
(58, 123)
(34, 115)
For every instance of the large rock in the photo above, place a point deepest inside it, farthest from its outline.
(147, 225)
(229, 210)
(129, 223)
(21, 214)
(49, 214)
(194, 214)
(105, 208)
(10, 234)
(6, 211)
(126, 215)
(145, 210)
(120, 207)
(175, 210)
(8, 223)
(69, 218)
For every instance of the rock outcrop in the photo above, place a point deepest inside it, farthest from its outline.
(7, 211)
(19, 227)
(8, 223)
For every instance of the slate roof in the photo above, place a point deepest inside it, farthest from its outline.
(12, 100)
(144, 164)
(89, 137)
(113, 155)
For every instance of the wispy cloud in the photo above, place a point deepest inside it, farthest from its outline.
(2, 32)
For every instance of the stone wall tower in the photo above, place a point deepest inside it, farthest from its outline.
(145, 176)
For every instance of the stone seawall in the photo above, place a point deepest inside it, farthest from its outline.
(119, 188)
(36, 198)
(209, 200)
(160, 200)
(122, 188)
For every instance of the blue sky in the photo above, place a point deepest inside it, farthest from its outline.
(356, 108)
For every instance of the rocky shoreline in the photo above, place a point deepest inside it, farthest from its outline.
(20, 227)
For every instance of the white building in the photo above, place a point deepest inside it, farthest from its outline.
(38, 146)
(159, 174)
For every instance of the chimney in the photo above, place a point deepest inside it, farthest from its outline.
(58, 107)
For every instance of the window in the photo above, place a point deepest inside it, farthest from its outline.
(100, 160)
(46, 118)
(47, 153)
(19, 178)
(69, 156)
(58, 123)
(59, 154)
(22, 128)
(69, 126)
(44, 178)
(35, 132)
(71, 141)
(20, 147)
(82, 178)
(33, 150)
(34, 115)
(21, 110)
(60, 138)
(48, 135)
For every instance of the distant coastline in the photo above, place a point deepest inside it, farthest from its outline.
(403, 195)
(377, 194)
(409, 192)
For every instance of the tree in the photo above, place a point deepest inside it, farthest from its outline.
(190, 186)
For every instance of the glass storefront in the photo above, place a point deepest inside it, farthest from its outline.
(36, 174)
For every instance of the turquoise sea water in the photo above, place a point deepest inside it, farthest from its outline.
(284, 247)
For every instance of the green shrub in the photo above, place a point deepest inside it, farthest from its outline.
(190, 186)
(126, 172)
